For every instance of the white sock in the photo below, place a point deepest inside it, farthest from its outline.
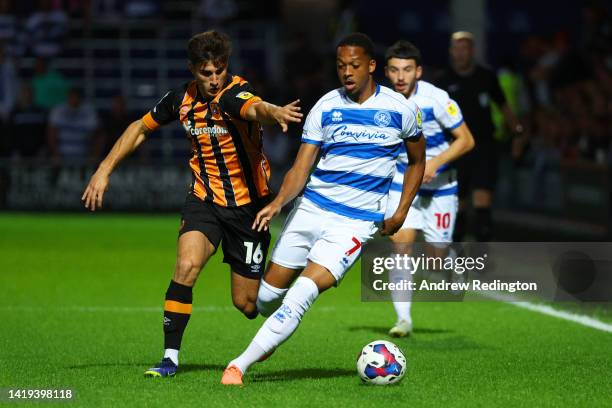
(281, 325)
(402, 300)
(172, 354)
(269, 298)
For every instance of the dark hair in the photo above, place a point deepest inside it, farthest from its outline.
(210, 46)
(404, 50)
(359, 40)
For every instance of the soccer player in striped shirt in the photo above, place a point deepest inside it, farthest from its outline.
(359, 130)
(222, 116)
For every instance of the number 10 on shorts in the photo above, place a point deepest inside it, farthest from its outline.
(253, 256)
(442, 220)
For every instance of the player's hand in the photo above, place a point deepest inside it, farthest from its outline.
(94, 192)
(392, 225)
(431, 171)
(263, 217)
(288, 113)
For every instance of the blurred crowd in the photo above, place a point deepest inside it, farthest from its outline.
(567, 100)
(559, 83)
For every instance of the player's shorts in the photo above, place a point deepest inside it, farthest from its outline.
(434, 215)
(244, 249)
(477, 170)
(313, 234)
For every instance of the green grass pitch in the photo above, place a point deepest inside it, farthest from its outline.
(80, 307)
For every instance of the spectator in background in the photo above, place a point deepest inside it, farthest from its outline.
(46, 30)
(107, 9)
(71, 129)
(217, 12)
(50, 87)
(27, 125)
(474, 87)
(113, 124)
(9, 84)
(10, 30)
(142, 8)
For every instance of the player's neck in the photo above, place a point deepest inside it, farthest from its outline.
(413, 91)
(365, 94)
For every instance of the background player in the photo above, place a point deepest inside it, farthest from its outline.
(221, 115)
(359, 130)
(474, 86)
(435, 207)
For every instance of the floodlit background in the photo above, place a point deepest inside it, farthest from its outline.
(554, 62)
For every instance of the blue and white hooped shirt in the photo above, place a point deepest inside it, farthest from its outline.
(439, 112)
(359, 145)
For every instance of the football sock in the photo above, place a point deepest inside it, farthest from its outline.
(484, 224)
(402, 299)
(278, 327)
(172, 354)
(269, 298)
(177, 310)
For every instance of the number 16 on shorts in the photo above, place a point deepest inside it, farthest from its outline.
(254, 254)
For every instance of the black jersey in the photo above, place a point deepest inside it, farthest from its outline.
(474, 93)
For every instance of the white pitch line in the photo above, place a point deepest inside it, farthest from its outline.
(549, 311)
(572, 317)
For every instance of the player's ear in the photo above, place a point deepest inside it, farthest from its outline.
(419, 72)
(372, 66)
(191, 67)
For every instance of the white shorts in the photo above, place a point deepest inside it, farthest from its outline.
(313, 234)
(435, 216)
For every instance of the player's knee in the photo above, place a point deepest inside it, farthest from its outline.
(186, 271)
(269, 298)
(246, 306)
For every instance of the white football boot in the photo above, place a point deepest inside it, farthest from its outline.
(402, 328)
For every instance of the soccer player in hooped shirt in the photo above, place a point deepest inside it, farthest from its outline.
(434, 209)
(222, 117)
(359, 129)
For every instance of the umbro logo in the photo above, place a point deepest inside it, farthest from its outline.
(336, 116)
(283, 313)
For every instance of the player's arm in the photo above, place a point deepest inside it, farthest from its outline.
(293, 183)
(129, 141)
(463, 143)
(242, 101)
(164, 112)
(270, 114)
(415, 147)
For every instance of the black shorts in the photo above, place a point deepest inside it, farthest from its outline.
(244, 249)
(477, 170)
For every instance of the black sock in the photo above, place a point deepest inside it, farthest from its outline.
(484, 224)
(177, 310)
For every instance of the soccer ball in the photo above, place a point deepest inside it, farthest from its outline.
(381, 362)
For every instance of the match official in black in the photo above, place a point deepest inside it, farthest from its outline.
(474, 86)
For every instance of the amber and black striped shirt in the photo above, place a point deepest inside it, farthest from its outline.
(227, 160)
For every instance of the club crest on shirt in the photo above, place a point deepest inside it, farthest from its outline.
(419, 118)
(382, 118)
(244, 95)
